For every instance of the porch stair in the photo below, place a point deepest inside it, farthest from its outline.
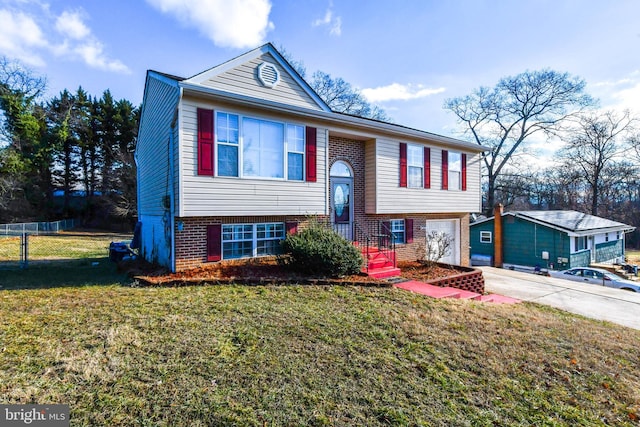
(380, 265)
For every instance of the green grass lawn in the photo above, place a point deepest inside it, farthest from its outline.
(61, 246)
(307, 355)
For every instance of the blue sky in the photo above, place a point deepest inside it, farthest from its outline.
(406, 56)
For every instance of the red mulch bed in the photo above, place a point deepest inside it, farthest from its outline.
(267, 270)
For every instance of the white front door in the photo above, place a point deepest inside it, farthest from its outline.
(449, 229)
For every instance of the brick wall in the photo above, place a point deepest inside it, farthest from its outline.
(469, 279)
(191, 235)
(352, 152)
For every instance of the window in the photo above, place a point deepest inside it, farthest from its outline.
(398, 230)
(617, 235)
(581, 243)
(295, 152)
(485, 237)
(455, 170)
(227, 138)
(606, 237)
(250, 147)
(268, 237)
(415, 165)
(247, 240)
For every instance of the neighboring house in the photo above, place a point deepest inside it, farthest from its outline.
(547, 239)
(235, 157)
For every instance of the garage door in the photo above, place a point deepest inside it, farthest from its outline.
(444, 230)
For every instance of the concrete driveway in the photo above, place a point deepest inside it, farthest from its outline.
(597, 302)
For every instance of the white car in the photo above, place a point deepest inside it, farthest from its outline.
(596, 276)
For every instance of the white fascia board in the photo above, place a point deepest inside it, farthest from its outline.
(341, 120)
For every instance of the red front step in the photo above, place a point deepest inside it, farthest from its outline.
(377, 260)
(383, 273)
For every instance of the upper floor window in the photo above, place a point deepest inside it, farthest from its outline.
(250, 147)
(455, 170)
(415, 166)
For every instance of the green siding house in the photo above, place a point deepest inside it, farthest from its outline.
(547, 239)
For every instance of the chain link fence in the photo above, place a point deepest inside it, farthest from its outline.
(22, 250)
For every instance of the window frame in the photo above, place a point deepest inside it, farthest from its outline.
(483, 236)
(578, 240)
(274, 232)
(240, 147)
(451, 170)
(398, 226)
(418, 165)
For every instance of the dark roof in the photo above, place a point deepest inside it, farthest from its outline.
(169, 76)
(572, 220)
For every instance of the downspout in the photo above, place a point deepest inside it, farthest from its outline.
(172, 201)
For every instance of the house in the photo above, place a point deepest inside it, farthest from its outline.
(547, 239)
(233, 158)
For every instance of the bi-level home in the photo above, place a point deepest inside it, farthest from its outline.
(232, 159)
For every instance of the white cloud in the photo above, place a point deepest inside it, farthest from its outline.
(620, 94)
(80, 43)
(333, 23)
(21, 37)
(237, 23)
(398, 92)
(28, 35)
(92, 52)
(71, 25)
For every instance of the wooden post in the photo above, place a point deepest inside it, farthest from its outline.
(497, 236)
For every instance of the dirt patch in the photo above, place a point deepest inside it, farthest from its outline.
(267, 270)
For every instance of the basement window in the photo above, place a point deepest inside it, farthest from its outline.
(485, 237)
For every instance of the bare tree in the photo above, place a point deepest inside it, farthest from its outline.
(339, 94)
(597, 140)
(437, 245)
(503, 118)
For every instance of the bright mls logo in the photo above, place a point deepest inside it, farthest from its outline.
(34, 415)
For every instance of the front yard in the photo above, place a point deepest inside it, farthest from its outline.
(307, 355)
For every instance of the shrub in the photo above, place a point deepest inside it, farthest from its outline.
(321, 251)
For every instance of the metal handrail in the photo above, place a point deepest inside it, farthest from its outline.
(379, 233)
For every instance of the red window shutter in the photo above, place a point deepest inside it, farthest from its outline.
(427, 167)
(445, 170)
(463, 178)
(408, 230)
(291, 227)
(403, 164)
(214, 242)
(206, 150)
(310, 154)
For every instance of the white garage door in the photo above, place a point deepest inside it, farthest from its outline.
(449, 228)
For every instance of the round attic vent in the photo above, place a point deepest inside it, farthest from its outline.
(268, 74)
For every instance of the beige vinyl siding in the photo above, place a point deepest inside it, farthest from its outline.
(152, 148)
(243, 80)
(370, 172)
(229, 196)
(390, 198)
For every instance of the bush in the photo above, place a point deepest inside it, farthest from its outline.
(321, 251)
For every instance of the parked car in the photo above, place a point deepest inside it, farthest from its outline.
(596, 276)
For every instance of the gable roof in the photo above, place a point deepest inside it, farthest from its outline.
(272, 52)
(200, 84)
(569, 221)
